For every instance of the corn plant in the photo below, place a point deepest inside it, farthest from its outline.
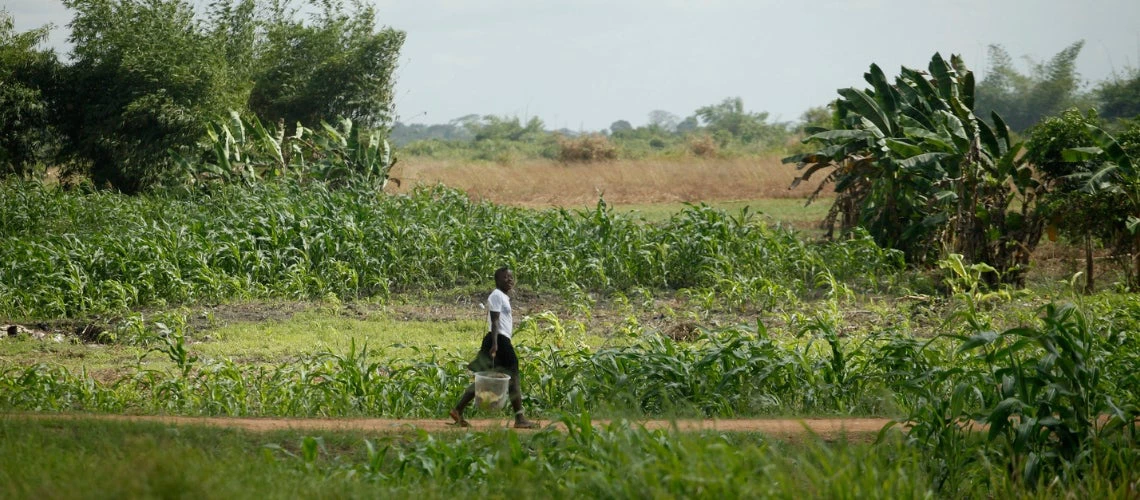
(106, 254)
(726, 373)
(1051, 391)
(1040, 390)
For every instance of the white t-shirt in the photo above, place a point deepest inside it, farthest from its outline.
(501, 303)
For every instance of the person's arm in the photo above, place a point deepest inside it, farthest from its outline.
(495, 331)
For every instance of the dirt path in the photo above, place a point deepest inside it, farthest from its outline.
(785, 428)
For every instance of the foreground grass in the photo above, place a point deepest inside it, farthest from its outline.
(102, 459)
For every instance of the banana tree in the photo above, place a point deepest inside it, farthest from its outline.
(349, 153)
(914, 166)
(243, 150)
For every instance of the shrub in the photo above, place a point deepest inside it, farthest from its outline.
(586, 149)
(703, 146)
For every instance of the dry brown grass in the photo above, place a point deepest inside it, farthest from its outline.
(548, 183)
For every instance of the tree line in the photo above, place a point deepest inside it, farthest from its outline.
(725, 128)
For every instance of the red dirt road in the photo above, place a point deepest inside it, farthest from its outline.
(784, 428)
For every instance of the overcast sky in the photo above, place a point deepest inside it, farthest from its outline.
(584, 64)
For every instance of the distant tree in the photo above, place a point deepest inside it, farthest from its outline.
(448, 132)
(27, 136)
(503, 128)
(664, 120)
(465, 120)
(619, 127)
(1119, 98)
(816, 118)
(689, 124)
(728, 121)
(1119, 175)
(1024, 99)
(402, 134)
(337, 65)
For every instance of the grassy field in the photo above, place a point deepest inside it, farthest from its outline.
(298, 301)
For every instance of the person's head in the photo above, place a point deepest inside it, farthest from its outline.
(504, 280)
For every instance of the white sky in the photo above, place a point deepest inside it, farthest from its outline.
(584, 64)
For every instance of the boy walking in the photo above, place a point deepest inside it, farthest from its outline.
(497, 353)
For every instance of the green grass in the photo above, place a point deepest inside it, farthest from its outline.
(101, 459)
(79, 458)
(73, 356)
(89, 459)
(280, 340)
(310, 332)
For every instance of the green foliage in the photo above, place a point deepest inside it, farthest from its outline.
(817, 118)
(234, 24)
(620, 126)
(504, 128)
(403, 134)
(726, 373)
(1119, 176)
(1075, 212)
(1048, 141)
(27, 138)
(69, 254)
(1024, 99)
(143, 74)
(490, 138)
(915, 167)
(1119, 98)
(1041, 391)
(1056, 397)
(337, 65)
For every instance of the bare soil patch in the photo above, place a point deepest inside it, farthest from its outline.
(254, 312)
